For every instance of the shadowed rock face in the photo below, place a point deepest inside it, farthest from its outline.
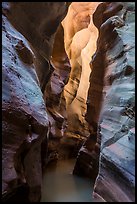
(117, 122)
(37, 21)
(87, 162)
(110, 107)
(25, 119)
(36, 24)
(54, 98)
(36, 48)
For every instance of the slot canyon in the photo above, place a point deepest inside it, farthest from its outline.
(68, 101)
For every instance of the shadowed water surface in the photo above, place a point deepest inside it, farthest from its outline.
(60, 185)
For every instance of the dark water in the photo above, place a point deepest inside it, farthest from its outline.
(60, 185)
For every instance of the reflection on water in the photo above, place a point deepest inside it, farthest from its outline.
(60, 185)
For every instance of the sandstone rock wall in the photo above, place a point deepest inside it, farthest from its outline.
(26, 47)
(92, 103)
(116, 178)
(54, 98)
(110, 106)
(80, 43)
(25, 120)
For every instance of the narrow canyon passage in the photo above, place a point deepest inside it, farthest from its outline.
(68, 101)
(61, 185)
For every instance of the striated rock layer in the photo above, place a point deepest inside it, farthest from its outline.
(25, 119)
(116, 178)
(87, 162)
(37, 48)
(110, 106)
(80, 43)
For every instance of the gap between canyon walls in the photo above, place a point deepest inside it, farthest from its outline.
(110, 66)
(76, 65)
(111, 106)
(27, 42)
(66, 97)
(66, 92)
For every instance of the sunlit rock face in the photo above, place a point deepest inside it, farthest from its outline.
(28, 38)
(80, 43)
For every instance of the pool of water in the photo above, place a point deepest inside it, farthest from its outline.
(60, 185)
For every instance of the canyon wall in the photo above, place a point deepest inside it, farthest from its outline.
(111, 106)
(66, 101)
(25, 120)
(55, 101)
(68, 86)
(116, 179)
(80, 43)
(27, 47)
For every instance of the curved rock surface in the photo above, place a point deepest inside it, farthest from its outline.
(110, 106)
(87, 162)
(117, 119)
(26, 46)
(54, 101)
(54, 97)
(25, 120)
(80, 43)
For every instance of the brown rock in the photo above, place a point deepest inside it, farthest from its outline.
(80, 43)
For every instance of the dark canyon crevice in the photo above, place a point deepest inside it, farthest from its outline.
(68, 92)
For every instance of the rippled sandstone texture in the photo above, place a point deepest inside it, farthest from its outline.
(68, 126)
(111, 93)
(80, 43)
(110, 110)
(87, 162)
(25, 119)
(116, 178)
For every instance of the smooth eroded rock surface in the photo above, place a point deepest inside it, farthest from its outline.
(111, 106)
(116, 179)
(28, 38)
(25, 120)
(80, 43)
